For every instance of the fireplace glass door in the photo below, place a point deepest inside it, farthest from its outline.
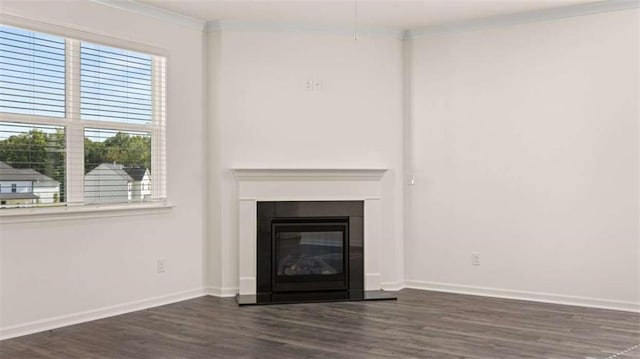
(310, 254)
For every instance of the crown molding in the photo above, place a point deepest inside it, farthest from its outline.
(295, 27)
(526, 17)
(371, 31)
(154, 12)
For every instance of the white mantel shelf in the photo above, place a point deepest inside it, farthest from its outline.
(309, 174)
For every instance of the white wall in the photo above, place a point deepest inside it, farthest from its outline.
(524, 142)
(52, 270)
(263, 116)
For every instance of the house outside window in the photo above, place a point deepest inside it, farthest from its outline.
(80, 122)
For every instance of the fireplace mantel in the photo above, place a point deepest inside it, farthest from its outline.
(308, 184)
(300, 174)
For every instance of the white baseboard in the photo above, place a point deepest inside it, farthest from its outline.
(105, 312)
(392, 286)
(524, 295)
(94, 314)
(221, 292)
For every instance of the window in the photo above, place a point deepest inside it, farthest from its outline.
(32, 164)
(117, 166)
(80, 122)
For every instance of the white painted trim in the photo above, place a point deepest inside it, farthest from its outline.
(95, 314)
(525, 17)
(369, 31)
(247, 247)
(47, 214)
(128, 307)
(75, 32)
(248, 285)
(300, 27)
(525, 295)
(308, 174)
(392, 286)
(306, 184)
(309, 198)
(221, 292)
(154, 12)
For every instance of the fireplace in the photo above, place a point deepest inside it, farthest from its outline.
(301, 235)
(310, 254)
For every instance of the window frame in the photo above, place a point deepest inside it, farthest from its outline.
(75, 126)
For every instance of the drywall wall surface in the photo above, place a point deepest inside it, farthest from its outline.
(524, 144)
(54, 273)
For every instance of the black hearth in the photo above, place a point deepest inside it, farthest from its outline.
(310, 251)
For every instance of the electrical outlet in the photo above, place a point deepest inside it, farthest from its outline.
(475, 258)
(162, 265)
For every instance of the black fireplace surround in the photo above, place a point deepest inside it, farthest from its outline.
(309, 251)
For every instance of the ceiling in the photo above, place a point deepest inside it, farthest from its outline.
(389, 13)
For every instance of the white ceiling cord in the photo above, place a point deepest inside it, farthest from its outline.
(355, 19)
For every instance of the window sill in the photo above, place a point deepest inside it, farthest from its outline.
(31, 215)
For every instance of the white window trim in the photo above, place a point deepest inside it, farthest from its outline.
(74, 207)
(78, 33)
(48, 214)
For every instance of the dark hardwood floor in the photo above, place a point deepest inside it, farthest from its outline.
(420, 324)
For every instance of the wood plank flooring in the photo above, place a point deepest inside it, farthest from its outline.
(420, 324)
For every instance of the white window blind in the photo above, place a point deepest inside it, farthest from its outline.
(32, 73)
(116, 85)
(87, 116)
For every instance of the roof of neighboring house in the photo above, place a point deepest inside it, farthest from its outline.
(137, 173)
(130, 174)
(112, 170)
(10, 196)
(8, 173)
